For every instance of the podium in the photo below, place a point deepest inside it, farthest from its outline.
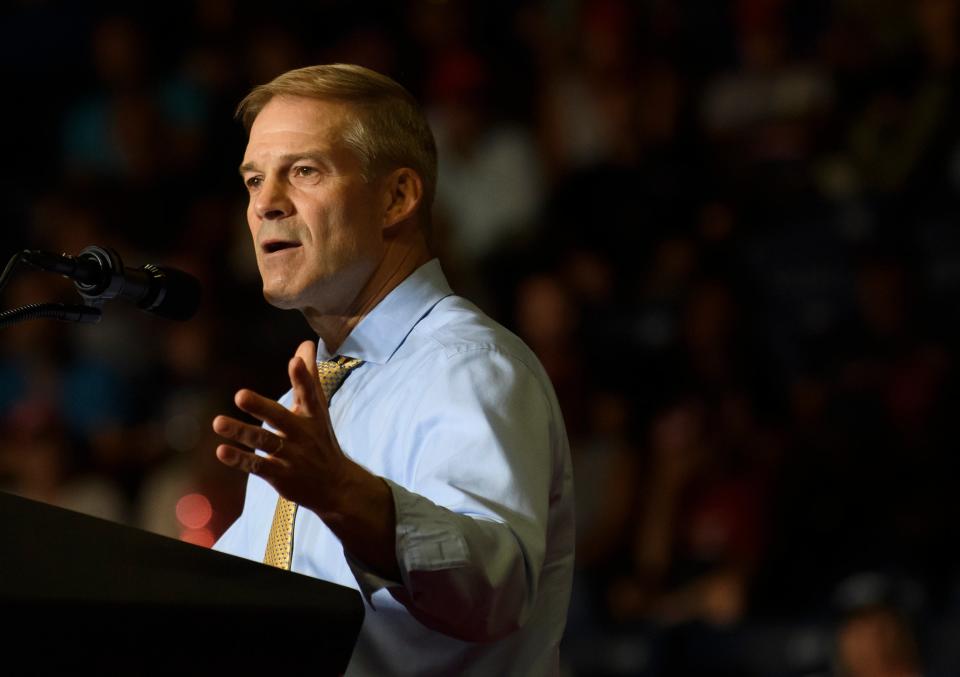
(81, 595)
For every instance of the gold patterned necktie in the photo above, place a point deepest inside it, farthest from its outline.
(280, 542)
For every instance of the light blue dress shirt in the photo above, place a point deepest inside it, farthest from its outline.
(459, 418)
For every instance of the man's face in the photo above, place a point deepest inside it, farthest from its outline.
(316, 223)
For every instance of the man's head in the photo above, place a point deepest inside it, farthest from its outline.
(387, 128)
(340, 167)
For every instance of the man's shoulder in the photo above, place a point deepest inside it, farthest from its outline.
(456, 326)
(459, 352)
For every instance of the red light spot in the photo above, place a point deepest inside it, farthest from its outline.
(194, 511)
(201, 537)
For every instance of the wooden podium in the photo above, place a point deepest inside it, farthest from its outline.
(81, 595)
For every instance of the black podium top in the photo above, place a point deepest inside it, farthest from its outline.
(81, 593)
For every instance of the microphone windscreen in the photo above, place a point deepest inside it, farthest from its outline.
(181, 295)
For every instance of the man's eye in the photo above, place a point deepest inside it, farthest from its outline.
(302, 172)
(254, 181)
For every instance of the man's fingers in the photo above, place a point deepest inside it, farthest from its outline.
(266, 467)
(306, 386)
(268, 411)
(248, 435)
(305, 379)
(307, 351)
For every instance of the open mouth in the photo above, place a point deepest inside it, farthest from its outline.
(271, 246)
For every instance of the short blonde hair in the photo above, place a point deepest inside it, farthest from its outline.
(389, 131)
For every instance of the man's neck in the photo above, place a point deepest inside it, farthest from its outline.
(398, 264)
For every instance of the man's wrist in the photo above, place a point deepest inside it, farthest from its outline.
(357, 494)
(361, 513)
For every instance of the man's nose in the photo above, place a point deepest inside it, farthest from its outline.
(272, 201)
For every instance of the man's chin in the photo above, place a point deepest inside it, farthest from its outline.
(280, 300)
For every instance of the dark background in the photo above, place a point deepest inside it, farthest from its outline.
(728, 229)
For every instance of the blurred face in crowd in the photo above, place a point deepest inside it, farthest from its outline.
(875, 643)
(316, 222)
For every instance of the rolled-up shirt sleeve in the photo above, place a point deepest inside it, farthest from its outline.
(471, 517)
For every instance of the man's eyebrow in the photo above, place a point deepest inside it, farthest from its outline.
(315, 155)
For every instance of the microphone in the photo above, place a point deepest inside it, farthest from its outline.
(100, 276)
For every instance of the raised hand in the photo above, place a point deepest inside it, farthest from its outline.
(303, 460)
(305, 464)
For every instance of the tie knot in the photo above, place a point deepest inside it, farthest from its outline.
(333, 372)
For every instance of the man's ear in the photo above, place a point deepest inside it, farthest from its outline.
(402, 191)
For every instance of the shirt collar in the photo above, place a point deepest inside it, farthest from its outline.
(381, 331)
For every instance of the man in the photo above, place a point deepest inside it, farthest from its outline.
(437, 479)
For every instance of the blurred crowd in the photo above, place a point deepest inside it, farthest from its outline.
(729, 230)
